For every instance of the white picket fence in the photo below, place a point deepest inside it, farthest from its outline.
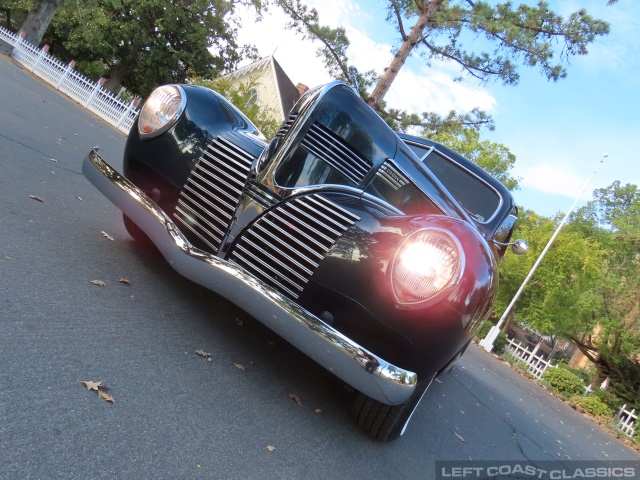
(89, 94)
(537, 365)
(626, 420)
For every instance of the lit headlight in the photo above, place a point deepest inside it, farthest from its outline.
(161, 110)
(427, 262)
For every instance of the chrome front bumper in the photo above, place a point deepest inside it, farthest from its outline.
(346, 359)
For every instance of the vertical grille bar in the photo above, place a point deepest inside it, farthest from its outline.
(211, 195)
(285, 246)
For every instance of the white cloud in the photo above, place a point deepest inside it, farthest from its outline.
(552, 178)
(417, 88)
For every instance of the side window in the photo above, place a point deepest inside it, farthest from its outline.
(393, 187)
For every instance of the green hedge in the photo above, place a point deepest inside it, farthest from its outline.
(595, 406)
(563, 381)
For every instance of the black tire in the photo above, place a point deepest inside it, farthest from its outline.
(137, 234)
(385, 422)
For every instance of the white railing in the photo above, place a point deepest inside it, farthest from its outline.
(536, 363)
(89, 94)
(626, 420)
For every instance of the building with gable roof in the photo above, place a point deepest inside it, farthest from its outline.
(273, 89)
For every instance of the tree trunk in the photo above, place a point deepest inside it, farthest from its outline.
(427, 9)
(38, 19)
(115, 79)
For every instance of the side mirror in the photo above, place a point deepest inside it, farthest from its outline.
(519, 247)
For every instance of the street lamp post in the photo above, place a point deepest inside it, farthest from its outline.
(490, 339)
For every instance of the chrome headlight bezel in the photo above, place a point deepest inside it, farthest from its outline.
(428, 262)
(161, 111)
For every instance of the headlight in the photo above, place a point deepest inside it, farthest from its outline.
(426, 263)
(161, 111)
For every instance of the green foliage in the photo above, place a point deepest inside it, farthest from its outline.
(239, 94)
(483, 330)
(578, 372)
(608, 397)
(564, 382)
(500, 343)
(145, 43)
(518, 362)
(595, 406)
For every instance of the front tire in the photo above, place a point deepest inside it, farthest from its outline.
(386, 422)
(138, 235)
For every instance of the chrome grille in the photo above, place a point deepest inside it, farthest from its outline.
(392, 176)
(285, 246)
(328, 146)
(286, 125)
(261, 195)
(209, 198)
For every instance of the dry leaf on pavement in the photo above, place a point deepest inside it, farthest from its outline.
(295, 398)
(99, 283)
(92, 385)
(318, 410)
(35, 197)
(239, 366)
(202, 353)
(271, 448)
(106, 235)
(124, 280)
(106, 396)
(459, 437)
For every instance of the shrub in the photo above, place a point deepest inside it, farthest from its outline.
(582, 374)
(595, 406)
(608, 397)
(563, 381)
(500, 343)
(483, 330)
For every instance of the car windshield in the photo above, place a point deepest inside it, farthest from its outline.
(476, 196)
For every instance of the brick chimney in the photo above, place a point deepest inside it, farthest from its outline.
(302, 88)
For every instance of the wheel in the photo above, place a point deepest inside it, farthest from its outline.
(138, 235)
(386, 422)
(449, 366)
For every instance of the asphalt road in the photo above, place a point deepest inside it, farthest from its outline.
(176, 414)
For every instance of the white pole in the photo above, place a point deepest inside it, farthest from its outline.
(489, 340)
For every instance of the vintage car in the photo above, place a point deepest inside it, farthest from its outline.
(373, 252)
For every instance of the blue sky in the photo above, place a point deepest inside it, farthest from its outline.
(559, 131)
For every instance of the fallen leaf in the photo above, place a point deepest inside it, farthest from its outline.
(124, 280)
(53, 160)
(239, 366)
(100, 283)
(295, 398)
(318, 410)
(271, 448)
(459, 437)
(106, 396)
(210, 359)
(238, 321)
(106, 235)
(91, 385)
(79, 198)
(35, 197)
(202, 353)
(509, 417)
(7, 257)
